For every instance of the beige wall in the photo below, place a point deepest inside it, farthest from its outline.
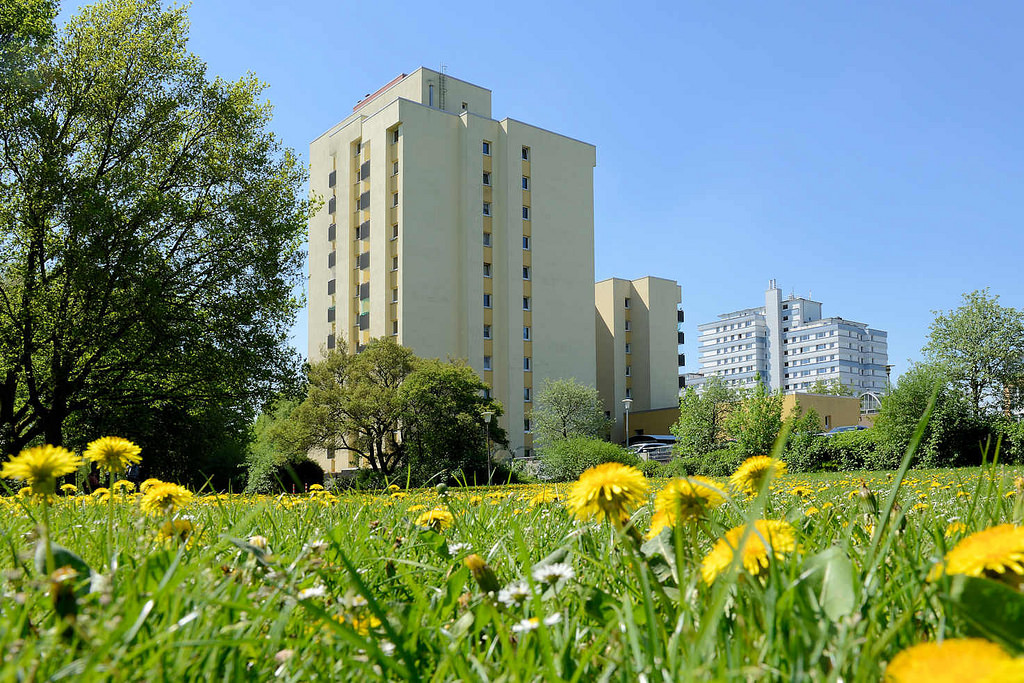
(440, 246)
(840, 411)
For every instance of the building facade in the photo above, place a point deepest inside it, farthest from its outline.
(638, 336)
(457, 234)
(790, 346)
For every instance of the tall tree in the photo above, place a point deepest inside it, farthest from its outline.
(757, 420)
(150, 224)
(564, 408)
(703, 417)
(980, 347)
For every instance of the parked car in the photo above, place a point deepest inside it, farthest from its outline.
(840, 430)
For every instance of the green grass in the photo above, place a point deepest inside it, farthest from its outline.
(387, 599)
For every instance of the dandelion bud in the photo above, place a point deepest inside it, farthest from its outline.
(484, 575)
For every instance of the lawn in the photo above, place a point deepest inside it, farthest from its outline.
(510, 586)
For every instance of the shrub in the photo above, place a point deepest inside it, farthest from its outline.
(567, 459)
(1011, 450)
(720, 463)
(844, 451)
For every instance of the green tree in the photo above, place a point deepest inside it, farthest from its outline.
(756, 420)
(954, 435)
(150, 225)
(274, 448)
(564, 408)
(703, 417)
(566, 459)
(980, 347)
(832, 387)
(444, 430)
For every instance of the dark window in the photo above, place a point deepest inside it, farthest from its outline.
(682, 381)
(330, 287)
(330, 314)
(364, 321)
(364, 263)
(364, 200)
(332, 232)
(526, 153)
(526, 183)
(360, 348)
(364, 230)
(682, 337)
(364, 171)
(330, 341)
(679, 316)
(331, 258)
(332, 179)
(394, 137)
(332, 205)
(682, 359)
(364, 290)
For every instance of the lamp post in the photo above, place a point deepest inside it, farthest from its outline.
(487, 415)
(627, 402)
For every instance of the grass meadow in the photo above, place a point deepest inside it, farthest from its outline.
(499, 584)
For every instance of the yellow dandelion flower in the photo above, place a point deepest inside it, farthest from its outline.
(40, 466)
(802, 491)
(113, 453)
(165, 498)
(144, 486)
(988, 553)
(316, 488)
(416, 508)
(811, 511)
(393, 487)
(24, 492)
(260, 542)
(686, 500)
(69, 489)
(954, 529)
(101, 493)
(399, 494)
(755, 554)
(437, 519)
(543, 498)
(610, 491)
(659, 520)
(176, 529)
(954, 659)
(751, 474)
(475, 500)
(363, 625)
(123, 485)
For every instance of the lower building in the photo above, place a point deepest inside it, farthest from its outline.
(638, 339)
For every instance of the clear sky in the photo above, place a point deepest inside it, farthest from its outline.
(869, 154)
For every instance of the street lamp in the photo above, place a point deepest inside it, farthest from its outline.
(627, 402)
(487, 415)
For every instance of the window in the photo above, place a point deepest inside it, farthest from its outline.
(628, 302)
(487, 270)
(487, 300)
(487, 208)
(526, 303)
(394, 327)
(487, 392)
(526, 272)
(394, 295)
(526, 242)
(394, 231)
(527, 394)
(394, 199)
(629, 393)
(628, 350)
(394, 263)
(330, 287)
(487, 148)
(487, 178)
(526, 153)
(487, 331)
(430, 95)
(465, 106)
(527, 452)
(526, 182)
(330, 341)
(628, 326)
(526, 213)
(394, 137)
(487, 239)
(526, 364)
(487, 362)
(526, 424)
(359, 148)
(629, 370)
(526, 333)
(394, 168)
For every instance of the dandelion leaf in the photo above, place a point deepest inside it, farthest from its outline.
(62, 557)
(990, 609)
(831, 578)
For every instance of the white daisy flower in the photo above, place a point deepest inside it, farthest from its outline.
(313, 592)
(553, 573)
(553, 619)
(526, 625)
(514, 594)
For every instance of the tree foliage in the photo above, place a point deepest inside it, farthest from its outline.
(567, 459)
(756, 420)
(703, 417)
(832, 387)
(393, 409)
(564, 408)
(150, 227)
(980, 348)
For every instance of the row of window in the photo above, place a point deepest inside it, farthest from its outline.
(527, 365)
(488, 299)
(526, 332)
(487, 178)
(487, 150)
(487, 209)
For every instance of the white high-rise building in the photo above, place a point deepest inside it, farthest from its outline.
(789, 345)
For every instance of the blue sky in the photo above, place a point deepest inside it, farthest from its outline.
(867, 153)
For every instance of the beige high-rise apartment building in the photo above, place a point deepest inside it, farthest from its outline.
(638, 338)
(459, 235)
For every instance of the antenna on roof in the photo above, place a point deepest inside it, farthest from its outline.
(442, 85)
